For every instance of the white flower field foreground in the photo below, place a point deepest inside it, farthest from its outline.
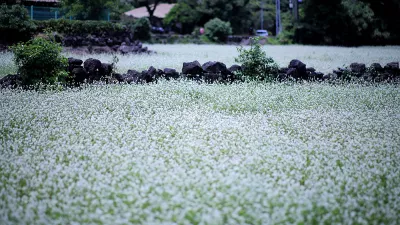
(184, 153)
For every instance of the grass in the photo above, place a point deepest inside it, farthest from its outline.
(183, 153)
(323, 58)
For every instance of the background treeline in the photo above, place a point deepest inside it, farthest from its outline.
(321, 22)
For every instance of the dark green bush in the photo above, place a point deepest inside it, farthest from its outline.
(40, 61)
(255, 63)
(141, 29)
(79, 27)
(15, 24)
(217, 30)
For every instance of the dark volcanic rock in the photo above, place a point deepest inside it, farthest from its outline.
(170, 73)
(377, 67)
(235, 68)
(358, 68)
(106, 69)
(300, 69)
(192, 68)
(92, 65)
(73, 61)
(79, 75)
(215, 67)
(10, 81)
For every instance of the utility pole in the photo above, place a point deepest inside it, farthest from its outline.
(296, 10)
(262, 14)
(278, 17)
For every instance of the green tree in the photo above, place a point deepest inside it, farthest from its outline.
(182, 16)
(15, 24)
(95, 9)
(237, 12)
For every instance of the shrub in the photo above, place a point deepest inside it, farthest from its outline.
(255, 63)
(15, 24)
(40, 60)
(185, 15)
(141, 29)
(217, 30)
(79, 27)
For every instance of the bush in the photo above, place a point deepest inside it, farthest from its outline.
(79, 27)
(185, 15)
(141, 29)
(40, 61)
(15, 24)
(217, 30)
(255, 63)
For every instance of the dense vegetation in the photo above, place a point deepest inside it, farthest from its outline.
(336, 22)
(40, 61)
(15, 24)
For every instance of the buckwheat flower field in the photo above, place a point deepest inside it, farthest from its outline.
(179, 152)
(184, 153)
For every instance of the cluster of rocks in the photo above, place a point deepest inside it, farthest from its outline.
(124, 44)
(92, 70)
(209, 72)
(374, 73)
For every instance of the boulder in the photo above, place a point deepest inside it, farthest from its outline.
(215, 67)
(310, 69)
(170, 73)
(235, 68)
(124, 49)
(299, 72)
(376, 67)
(79, 75)
(392, 66)
(152, 72)
(358, 68)
(92, 65)
(192, 68)
(106, 69)
(118, 77)
(73, 61)
(10, 81)
(132, 76)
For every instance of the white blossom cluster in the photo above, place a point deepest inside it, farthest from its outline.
(184, 153)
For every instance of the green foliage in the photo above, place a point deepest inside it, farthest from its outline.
(15, 24)
(79, 27)
(40, 61)
(348, 22)
(87, 9)
(255, 63)
(141, 29)
(237, 12)
(217, 30)
(182, 17)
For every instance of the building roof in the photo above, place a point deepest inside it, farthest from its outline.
(161, 11)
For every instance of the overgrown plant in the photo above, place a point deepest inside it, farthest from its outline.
(256, 65)
(15, 24)
(40, 61)
(217, 30)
